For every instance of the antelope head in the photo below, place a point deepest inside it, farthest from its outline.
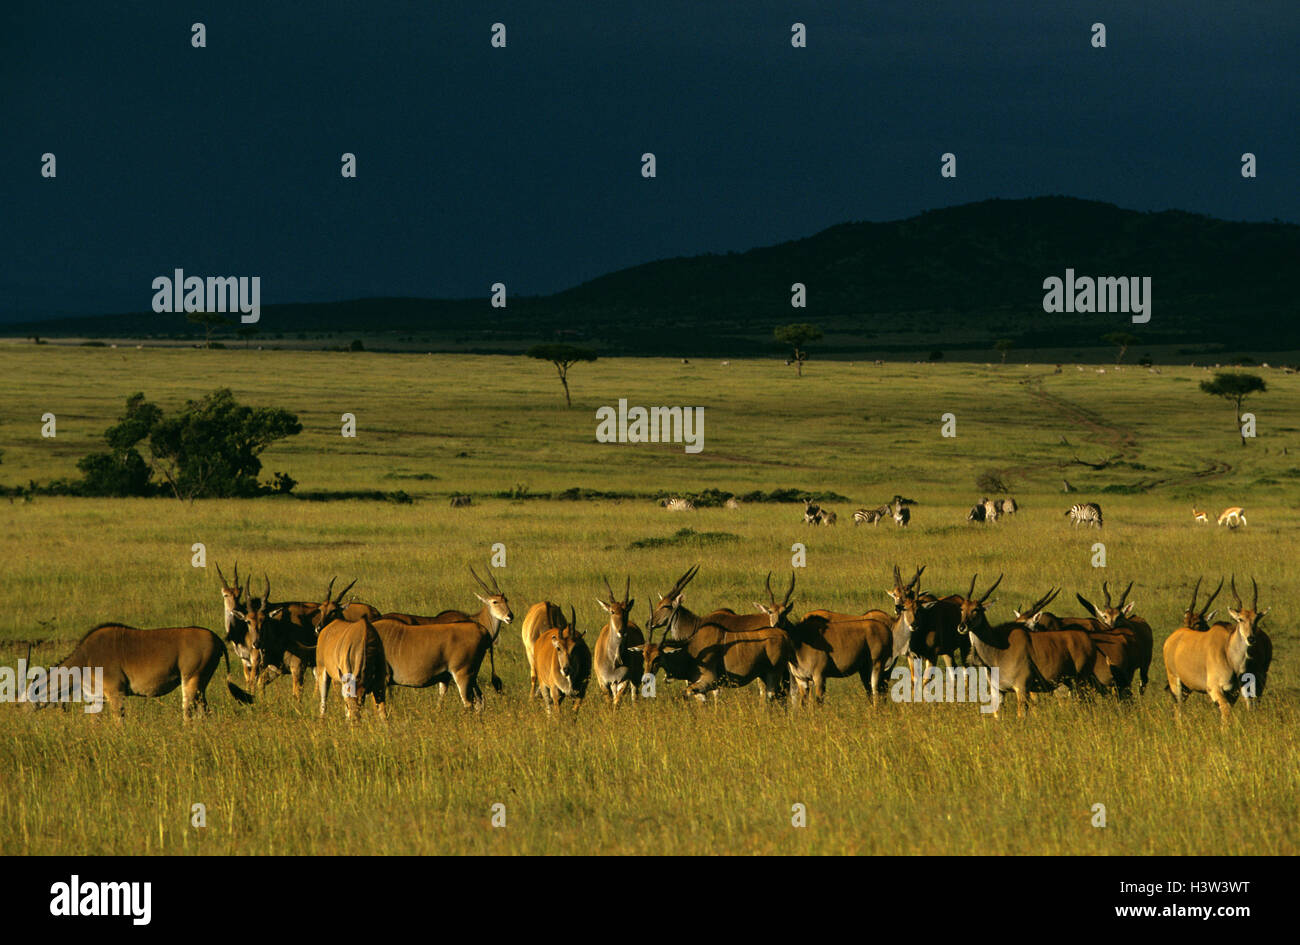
(972, 607)
(1200, 620)
(230, 593)
(1246, 618)
(663, 612)
(331, 608)
(1111, 614)
(657, 654)
(901, 591)
(777, 614)
(619, 610)
(1033, 615)
(495, 601)
(565, 641)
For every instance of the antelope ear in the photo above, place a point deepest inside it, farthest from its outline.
(639, 647)
(481, 597)
(1235, 615)
(1264, 611)
(928, 605)
(603, 605)
(1019, 615)
(759, 606)
(1128, 608)
(1210, 616)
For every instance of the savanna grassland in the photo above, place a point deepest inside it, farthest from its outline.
(663, 776)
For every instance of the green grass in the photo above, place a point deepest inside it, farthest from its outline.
(662, 776)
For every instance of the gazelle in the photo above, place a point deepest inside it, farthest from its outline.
(1233, 517)
(1214, 661)
(1199, 515)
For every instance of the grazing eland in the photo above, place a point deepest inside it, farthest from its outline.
(149, 663)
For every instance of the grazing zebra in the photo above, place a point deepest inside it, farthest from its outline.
(977, 513)
(1085, 513)
(679, 505)
(825, 517)
(1006, 506)
(870, 516)
(991, 511)
(460, 501)
(811, 513)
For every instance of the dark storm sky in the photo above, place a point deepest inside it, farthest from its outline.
(523, 165)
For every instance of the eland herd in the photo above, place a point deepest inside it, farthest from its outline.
(1106, 651)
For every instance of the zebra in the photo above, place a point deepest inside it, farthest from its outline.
(977, 512)
(870, 516)
(811, 513)
(679, 505)
(902, 515)
(460, 501)
(825, 517)
(991, 511)
(1006, 506)
(1085, 513)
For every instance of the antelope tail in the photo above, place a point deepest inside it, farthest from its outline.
(238, 694)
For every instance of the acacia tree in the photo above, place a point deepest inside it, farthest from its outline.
(797, 336)
(209, 321)
(563, 357)
(1004, 345)
(1235, 387)
(1122, 340)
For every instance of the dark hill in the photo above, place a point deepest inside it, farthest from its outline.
(953, 278)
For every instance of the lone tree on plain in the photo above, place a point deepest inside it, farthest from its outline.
(1122, 340)
(563, 357)
(797, 336)
(1235, 387)
(1004, 345)
(209, 321)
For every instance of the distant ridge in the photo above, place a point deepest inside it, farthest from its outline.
(960, 276)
